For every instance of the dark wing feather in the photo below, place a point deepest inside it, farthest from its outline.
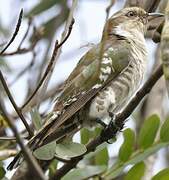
(119, 64)
(120, 61)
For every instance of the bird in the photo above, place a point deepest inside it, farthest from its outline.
(102, 83)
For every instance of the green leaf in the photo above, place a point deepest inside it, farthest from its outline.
(84, 173)
(43, 6)
(5, 178)
(3, 122)
(85, 135)
(127, 147)
(97, 150)
(45, 152)
(36, 119)
(136, 172)
(102, 157)
(148, 131)
(69, 149)
(2, 172)
(162, 175)
(137, 157)
(97, 131)
(52, 168)
(164, 135)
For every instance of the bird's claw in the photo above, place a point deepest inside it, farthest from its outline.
(110, 129)
(99, 121)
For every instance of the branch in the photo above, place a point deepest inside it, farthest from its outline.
(15, 32)
(108, 8)
(138, 3)
(151, 5)
(26, 33)
(68, 25)
(26, 152)
(10, 138)
(30, 131)
(119, 123)
(7, 153)
(164, 47)
(19, 51)
(55, 51)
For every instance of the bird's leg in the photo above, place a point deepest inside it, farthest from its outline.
(99, 121)
(112, 124)
(112, 127)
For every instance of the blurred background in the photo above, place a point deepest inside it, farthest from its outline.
(25, 61)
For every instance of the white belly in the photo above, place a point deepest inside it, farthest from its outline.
(101, 103)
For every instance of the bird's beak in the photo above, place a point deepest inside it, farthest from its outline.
(155, 15)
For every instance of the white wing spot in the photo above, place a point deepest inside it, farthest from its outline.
(111, 49)
(106, 61)
(105, 54)
(54, 115)
(106, 70)
(71, 100)
(103, 77)
(112, 68)
(96, 86)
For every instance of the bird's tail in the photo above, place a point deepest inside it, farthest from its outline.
(43, 138)
(18, 159)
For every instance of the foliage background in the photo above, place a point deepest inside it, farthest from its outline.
(22, 76)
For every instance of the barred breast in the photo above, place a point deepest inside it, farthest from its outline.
(115, 97)
(127, 84)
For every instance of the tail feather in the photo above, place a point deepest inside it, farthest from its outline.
(45, 136)
(16, 161)
(33, 142)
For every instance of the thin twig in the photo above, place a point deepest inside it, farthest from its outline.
(151, 5)
(55, 51)
(119, 121)
(15, 32)
(30, 131)
(34, 166)
(7, 153)
(20, 51)
(138, 3)
(69, 21)
(26, 33)
(112, 2)
(8, 138)
(37, 35)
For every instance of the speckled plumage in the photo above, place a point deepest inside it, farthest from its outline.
(118, 93)
(113, 69)
(103, 81)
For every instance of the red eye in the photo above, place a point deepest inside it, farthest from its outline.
(131, 14)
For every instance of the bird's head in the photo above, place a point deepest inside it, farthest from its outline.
(129, 22)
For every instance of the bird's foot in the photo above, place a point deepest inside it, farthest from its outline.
(99, 121)
(110, 130)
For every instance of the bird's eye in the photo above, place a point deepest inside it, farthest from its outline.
(131, 14)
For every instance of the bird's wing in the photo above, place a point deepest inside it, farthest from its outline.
(87, 79)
